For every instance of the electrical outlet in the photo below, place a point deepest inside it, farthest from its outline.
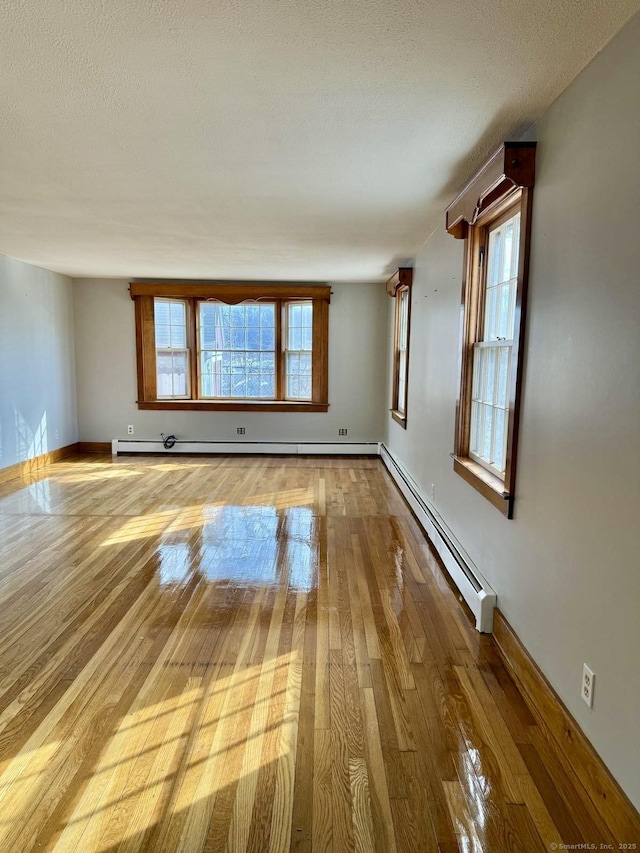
(342, 431)
(241, 430)
(130, 429)
(432, 492)
(588, 683)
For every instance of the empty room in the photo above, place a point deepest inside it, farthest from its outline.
(319, 426)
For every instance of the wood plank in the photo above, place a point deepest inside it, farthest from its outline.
(606, 795)
(94, 447)
(257, 654)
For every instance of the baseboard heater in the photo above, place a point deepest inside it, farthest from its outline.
(472, 586)
(283, 448)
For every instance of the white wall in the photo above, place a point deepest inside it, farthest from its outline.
(37, 362)
(567, 568)
(107, 384)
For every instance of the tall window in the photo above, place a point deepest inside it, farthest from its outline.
(492, 353)
(399, 286)
(258, 347)
(299, 349)
(493, 215)
(172, 352)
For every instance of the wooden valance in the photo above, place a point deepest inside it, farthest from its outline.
(402, 277)
(230, 293)
(512, 166)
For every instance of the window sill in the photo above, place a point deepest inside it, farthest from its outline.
(483, 481)
(220, 406)
(399, 418)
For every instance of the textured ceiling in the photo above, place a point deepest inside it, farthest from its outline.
(270, 140)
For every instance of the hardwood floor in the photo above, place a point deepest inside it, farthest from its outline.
(253, 654)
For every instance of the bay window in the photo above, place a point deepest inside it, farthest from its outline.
(232, 347)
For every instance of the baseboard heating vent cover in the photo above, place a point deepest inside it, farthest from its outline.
(287, 448)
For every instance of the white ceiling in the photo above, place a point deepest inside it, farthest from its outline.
(315, 140)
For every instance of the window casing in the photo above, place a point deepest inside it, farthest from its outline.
(493, 216)
(399, 286)
(232, 347)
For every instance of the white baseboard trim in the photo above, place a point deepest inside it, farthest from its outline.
(287, 448)
(472, 586)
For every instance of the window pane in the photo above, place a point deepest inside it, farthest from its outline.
(172, 374)
(495, 241)
(162, 312)
(253, 315)
(502, 384)
(177, 313)
(402, 395)
(299, 342)
(305, 363)
(499, 440)
(489, 409)
(164, 381)
(404, 316)
(298, 367)
(267, 339)
(293, 385)
(293, 363)
(491, 318)
(268, 362)
(490, 374)
(253, 338)
(487, 413)
(402, 374)
(237, 357)
(299, 326)
(508, 247)
(503, 301)
(172, 358)
(163, 337)
(515, 247)
(305, 387)
(237, 316)
(501, 280)
(179, 370)
(295, 338)
(295, 315)
(170, 316)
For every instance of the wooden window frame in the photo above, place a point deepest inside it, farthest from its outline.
(502, 187)
(143, 295)
(400, 282)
